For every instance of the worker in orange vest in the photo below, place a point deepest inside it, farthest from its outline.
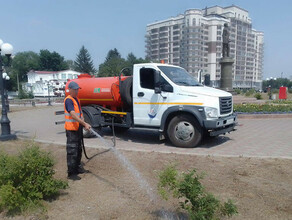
(74, 123)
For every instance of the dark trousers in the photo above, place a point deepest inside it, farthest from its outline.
(74, 150)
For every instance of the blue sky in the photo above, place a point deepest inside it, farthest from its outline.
(100, 25)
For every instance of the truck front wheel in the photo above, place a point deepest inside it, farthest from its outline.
(184, 131)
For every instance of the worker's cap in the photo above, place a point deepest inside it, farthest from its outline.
(73, 85)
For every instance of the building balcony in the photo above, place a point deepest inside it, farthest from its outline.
(163, 39)
(164, 31)
(153, 34)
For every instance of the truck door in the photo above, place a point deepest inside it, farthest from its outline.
(148, 106)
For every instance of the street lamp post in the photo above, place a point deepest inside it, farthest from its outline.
(5, 49)
(5, 79)
(49, 97)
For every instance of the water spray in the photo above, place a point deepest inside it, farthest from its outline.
(142, 182)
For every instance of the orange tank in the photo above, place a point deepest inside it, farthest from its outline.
(103, 91)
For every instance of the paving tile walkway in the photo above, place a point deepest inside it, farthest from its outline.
(263, 137)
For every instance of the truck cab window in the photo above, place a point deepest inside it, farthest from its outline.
(165, 86)
(147, 78)
(179, 76)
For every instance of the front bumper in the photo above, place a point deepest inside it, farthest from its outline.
(221, 125)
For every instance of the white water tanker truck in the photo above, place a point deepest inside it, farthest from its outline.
(158, 96)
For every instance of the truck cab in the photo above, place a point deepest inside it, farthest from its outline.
(167, 97)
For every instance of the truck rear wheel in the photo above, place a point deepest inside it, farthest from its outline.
(126, 92)
(88, 134)
(184, 131)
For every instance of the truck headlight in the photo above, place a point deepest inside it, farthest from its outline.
(211, 112)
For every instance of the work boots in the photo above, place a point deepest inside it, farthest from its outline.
(73, 177)
(81, 170)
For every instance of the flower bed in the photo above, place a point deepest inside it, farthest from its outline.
(262, 109)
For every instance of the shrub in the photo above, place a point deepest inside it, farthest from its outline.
(192, 195)
(250, 92)
(30, 95)
(22, 94)
(266, 108)
(258, 96)
(282, 102)
(238, 91)
(26, 179)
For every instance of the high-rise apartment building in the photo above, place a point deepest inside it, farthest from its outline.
(193, 40)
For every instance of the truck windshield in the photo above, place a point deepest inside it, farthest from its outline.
(179, 76)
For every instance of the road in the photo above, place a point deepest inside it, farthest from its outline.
(267, 138)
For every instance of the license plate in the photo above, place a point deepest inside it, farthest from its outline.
(229, 121)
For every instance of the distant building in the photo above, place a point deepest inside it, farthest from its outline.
(193, 40)
(38, 82)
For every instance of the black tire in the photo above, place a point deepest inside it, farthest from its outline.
(184, 131)
(89, 134)
(126, 91)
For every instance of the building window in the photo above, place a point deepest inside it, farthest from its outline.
(63, 75)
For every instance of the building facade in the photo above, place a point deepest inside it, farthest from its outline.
(193, 40)
(49, 83)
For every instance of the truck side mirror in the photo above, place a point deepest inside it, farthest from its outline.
(157, 87)
(167, 88)
(157, 90)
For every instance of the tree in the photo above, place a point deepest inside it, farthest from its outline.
(113, 64)
(83, 62)
(113, 54)
(52, 61)
(112, 67)
(131, 59)
(276, 83)
(70, 64)
(21, 64)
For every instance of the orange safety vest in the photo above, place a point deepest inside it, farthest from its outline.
(70, 123)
